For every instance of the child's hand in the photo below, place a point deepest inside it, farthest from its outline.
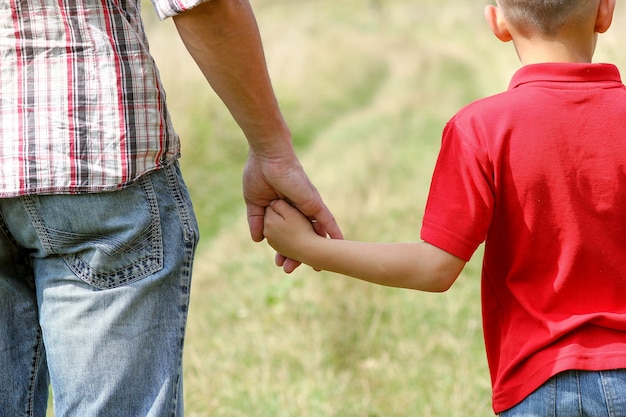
(287, 230)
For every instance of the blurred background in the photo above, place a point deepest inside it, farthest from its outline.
(366, 87)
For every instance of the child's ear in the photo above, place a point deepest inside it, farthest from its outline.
(605, 15)
(497, 23)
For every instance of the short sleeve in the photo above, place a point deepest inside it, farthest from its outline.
(169, 8)
(460, 202)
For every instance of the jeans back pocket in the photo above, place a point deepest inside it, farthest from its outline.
(107, 239)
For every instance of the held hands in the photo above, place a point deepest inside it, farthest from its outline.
(281, 177)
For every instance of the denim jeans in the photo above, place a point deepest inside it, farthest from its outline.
(94, 293)
(576, 394)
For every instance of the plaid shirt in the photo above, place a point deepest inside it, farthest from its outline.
(82, 108)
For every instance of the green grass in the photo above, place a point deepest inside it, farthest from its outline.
(366, 87)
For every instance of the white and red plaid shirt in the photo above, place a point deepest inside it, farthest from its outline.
(82, 108)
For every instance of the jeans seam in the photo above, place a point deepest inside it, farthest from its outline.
(579, 392)
(608, 397)
(190, 246)
(183, 212)
(554, 392)
(33, 377)
(190, 242)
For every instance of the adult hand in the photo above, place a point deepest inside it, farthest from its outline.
(280, 176)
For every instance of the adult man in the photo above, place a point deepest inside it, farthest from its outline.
(97, 233)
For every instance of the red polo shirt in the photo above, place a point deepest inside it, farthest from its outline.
(539, 173)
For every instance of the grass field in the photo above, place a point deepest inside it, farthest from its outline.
(366, 87)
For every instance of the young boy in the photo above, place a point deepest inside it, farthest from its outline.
(538, 173)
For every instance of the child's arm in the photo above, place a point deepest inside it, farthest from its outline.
(418, 265)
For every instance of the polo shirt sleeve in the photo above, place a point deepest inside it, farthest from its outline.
(169, 8)
(460, 203)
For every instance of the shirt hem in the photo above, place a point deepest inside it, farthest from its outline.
(84, 189)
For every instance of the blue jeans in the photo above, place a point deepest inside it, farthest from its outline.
(576, 394)
(94, 293)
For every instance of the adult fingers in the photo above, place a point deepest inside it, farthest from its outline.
(324, 221)
(256, 216)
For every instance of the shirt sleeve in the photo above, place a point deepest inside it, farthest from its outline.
(460, 203)
(169, 8)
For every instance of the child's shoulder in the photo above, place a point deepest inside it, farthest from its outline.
(486, 107)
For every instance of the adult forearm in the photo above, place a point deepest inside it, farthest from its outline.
(223, 38)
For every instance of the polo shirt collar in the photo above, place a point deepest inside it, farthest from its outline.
(557, 72)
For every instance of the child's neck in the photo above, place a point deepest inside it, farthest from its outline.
(537, 50)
